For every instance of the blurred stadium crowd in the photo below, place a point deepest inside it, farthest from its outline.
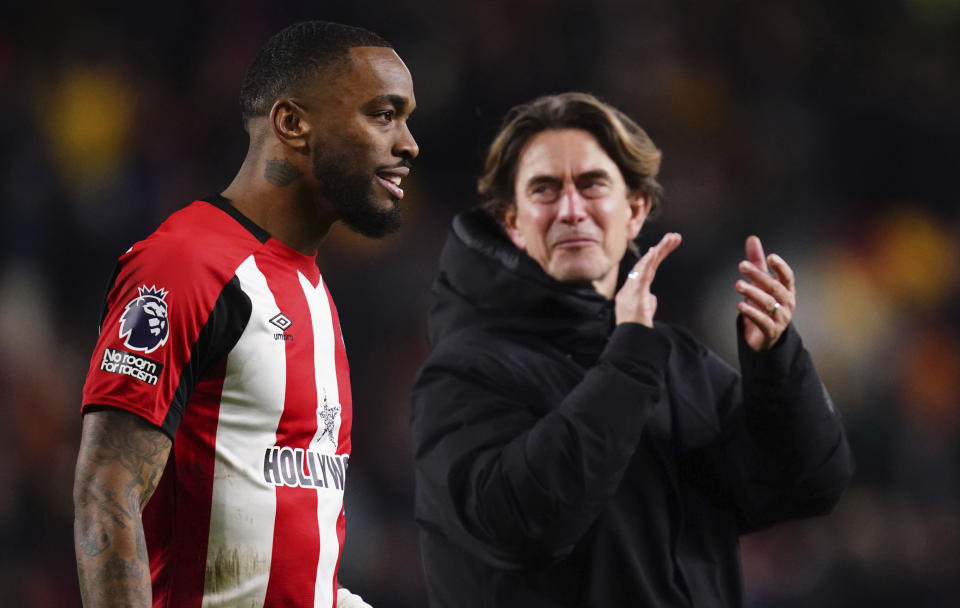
(830, 129)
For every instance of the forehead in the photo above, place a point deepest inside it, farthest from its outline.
(559, 152)
(372, 72)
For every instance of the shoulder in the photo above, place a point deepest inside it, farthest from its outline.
(199, 237)
(479, 375)
(198, 244)
(494, 361)
(187, 261)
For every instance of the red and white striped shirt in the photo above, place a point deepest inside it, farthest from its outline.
(228, 341)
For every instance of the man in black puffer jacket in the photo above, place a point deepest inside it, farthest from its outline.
(569, 450)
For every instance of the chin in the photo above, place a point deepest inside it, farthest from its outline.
(390, 204)
(370, 216)
(584, 267)
(577, 274)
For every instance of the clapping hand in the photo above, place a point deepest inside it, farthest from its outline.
(634, 302)
(769, 300)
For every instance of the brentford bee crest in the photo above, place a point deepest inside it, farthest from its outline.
(143, 325)
(327, 415)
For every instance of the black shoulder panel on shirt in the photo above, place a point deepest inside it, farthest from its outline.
(219, 335)
(223, 204)
(106, 296)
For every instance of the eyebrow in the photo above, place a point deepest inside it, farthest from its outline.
(552, 179)
(594, 174)
(542, 179)
(397, 101)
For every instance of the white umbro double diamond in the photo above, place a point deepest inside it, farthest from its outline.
(281, 321)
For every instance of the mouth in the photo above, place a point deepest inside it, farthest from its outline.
(574, 242)
(391, 178)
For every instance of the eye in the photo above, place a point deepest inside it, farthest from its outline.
(543, 191)
(594, 188)
(385, 116)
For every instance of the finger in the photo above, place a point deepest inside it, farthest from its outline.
(646, 267)
(666, 246)
(766, 323)
(767, 283)
(783, 271)
(754, 251)
(756, 296)
(780, 312)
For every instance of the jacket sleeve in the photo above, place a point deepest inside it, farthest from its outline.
(785, 452)
(515, 485)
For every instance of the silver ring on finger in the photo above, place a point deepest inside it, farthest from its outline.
(773, 311)
(633, 274)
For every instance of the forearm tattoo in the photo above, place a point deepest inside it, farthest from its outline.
(120, 463)
(108, 585)
(281, 172)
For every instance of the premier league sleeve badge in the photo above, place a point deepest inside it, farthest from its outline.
(143, 326)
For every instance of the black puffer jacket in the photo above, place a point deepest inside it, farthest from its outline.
(565, 461)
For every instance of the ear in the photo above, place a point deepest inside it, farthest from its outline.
(289, 123)
(639, 206)
(510, 226)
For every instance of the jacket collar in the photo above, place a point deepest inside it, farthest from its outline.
(486, 281)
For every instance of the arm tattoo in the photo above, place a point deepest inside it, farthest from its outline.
(93, 541)
(281, 172)
(96, 493)
(108, 584)
(121, 460)
(124, 441)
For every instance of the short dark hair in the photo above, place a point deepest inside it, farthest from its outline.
(294, 54)
(621, 138)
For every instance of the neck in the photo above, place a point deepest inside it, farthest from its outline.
(289, 213)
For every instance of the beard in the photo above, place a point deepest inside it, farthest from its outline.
(353, 199)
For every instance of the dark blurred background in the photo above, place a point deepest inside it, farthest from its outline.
(831, 129)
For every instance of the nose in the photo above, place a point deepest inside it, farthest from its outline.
(406, 146)
(573, 208)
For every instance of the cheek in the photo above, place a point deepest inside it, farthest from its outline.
(350, 144)
(611, 210)
(614, 219)
(535, 224)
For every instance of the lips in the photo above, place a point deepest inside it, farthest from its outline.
(574, 241)
(390, 179)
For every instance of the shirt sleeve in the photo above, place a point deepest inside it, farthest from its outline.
(166, 318)
(787, 454)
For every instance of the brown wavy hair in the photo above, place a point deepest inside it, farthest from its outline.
(621, 138)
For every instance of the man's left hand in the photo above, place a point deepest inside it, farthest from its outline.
(769, 300)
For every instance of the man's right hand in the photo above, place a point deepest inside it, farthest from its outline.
(634, 303)
(122, 457)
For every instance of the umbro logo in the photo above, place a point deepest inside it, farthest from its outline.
(282, 322)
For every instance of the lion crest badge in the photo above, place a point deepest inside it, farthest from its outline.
(144, 326)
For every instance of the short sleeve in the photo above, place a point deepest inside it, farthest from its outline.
(166, 315)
